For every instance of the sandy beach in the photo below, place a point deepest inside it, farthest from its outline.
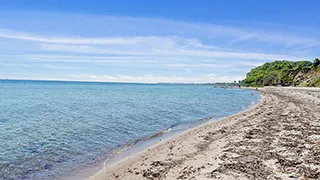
(279, 138)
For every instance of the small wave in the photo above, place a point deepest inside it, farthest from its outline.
(120, 149)
(207, 119)
(4, 120)
(123, 148)
(158, 134)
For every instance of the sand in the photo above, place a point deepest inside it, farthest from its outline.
(277, 139)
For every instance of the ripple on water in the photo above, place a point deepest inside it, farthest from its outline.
(50, 127)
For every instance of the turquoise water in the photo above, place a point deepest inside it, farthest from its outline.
(48, 128)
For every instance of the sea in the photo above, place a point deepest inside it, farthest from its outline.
(49, 128)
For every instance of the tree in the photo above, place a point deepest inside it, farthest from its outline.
(271, 79)
(277, 73)
(316, 62)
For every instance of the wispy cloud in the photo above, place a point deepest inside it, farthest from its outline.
(5, 33)
(209, 78)
(199, 65)
(176, 48)
(200, 52)
(277, 38)
(14, 64)
(52, 66)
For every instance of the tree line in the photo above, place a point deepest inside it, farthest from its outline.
(284, 73)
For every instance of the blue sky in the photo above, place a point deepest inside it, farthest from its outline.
(153, 41)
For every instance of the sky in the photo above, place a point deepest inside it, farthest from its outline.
(153, 41)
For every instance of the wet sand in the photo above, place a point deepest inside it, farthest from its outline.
(277, 139)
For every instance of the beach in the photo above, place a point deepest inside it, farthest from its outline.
(67, 130)
(279, 138)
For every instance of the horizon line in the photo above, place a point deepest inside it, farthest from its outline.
(116, 82)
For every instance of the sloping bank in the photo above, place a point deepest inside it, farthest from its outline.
(277, 139)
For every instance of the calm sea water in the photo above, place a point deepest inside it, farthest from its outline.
(49, 127)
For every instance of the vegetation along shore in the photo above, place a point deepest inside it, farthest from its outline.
(285, 73)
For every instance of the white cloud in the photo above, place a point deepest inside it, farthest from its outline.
(89, 58)
(200, 65)
(169, 45)
(53, 66)
(4, 33)
(209, 78)
(152, 43)
(274, 38)
(176, 48)
(156, 26)
(14, 64)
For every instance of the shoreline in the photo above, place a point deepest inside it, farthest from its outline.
(145, 143)
(131, 149)
(223, 149)
(158, 140)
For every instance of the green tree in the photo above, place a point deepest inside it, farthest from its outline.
(316, 62)
(271, 79)
(278, 73)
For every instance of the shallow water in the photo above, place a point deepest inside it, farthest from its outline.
(49, 128)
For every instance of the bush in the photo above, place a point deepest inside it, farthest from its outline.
(271, 79)
(278, 72)
(316, 62)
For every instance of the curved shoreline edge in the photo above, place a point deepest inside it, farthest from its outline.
(276, 139)
(119, 161)
(120, 153)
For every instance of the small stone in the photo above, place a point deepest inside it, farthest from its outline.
(48, 166)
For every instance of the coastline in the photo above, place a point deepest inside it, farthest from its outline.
(143, 144)
(70, 152)
(223, 149)
(131, 152)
